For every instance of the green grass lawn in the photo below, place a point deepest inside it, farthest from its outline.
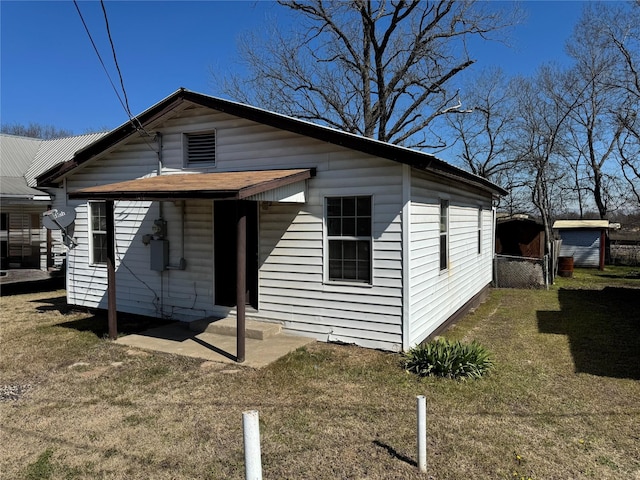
(563, 401)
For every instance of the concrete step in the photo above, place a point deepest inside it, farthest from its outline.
(227, 326)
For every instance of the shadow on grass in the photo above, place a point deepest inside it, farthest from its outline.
(603, 328)
(98, 324)
(53, 304)
(394, 453)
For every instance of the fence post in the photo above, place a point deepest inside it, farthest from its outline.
(422, 433)
(251, 434)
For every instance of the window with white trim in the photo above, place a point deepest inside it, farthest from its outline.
(200, 149)
(98, 233)
(348, 221)
(479, 230)
(444, 234)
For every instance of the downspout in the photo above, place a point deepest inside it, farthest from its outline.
(159, 169)
(161, 216)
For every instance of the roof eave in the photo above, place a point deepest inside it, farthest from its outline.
(377, 148)
(109, 141)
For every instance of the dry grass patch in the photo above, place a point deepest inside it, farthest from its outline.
(100, 410)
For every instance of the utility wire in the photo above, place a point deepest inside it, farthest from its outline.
(125, 103)
(115, 60)
(95, 48)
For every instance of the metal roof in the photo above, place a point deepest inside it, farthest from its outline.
(23, 158)
(562, 224)
(17, 188)
(56, 151)
(183, 98)
(221, 185)
(17, 154)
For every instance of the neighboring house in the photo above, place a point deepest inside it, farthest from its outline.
(584, 240)
(346, 238)
(24, 243)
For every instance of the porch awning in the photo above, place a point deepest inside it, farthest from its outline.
(266, 185)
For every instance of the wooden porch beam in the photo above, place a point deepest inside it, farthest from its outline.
(241, 280)
(111, 272)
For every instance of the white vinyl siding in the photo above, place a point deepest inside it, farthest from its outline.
(436, 295)
(291, 287)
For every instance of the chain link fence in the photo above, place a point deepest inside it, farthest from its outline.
(520, 272)
(621, 254)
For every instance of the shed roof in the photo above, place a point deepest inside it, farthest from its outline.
(183, 98)
(596, 224)
(220, 185)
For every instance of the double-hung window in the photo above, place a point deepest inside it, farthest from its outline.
(98, 232)
(444, 234)
(348, 223)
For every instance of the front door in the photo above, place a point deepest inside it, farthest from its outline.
(224, 233)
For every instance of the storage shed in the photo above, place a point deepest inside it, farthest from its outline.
(584, 240)
(520, 236)
(207, 206)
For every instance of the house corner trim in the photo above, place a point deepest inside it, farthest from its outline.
(406, 257)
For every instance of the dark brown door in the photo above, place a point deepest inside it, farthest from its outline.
(225, 214)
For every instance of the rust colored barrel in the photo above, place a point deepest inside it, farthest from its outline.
(565, 266)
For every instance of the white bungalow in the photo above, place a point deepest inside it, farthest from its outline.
(214, 205)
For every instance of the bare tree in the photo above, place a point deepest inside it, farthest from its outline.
(620, 30)
(378, 69)
(35, 130)
(485, 135)
(594, 122)
(543, 111)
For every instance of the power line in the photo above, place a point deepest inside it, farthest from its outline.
(95, 48)
(115, 60)
(125, 103)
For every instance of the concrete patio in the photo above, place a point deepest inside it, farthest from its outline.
(216, 341)
(209, 339)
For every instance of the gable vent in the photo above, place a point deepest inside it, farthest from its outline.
(201, 147)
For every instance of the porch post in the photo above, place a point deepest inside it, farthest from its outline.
(111, 271)
(241, 279)
(49, 261)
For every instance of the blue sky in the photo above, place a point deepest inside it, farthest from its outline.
(50, 74)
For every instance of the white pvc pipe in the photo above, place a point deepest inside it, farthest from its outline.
(251, 433)
(422, 433)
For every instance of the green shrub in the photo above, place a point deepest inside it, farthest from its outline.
(443, 358)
